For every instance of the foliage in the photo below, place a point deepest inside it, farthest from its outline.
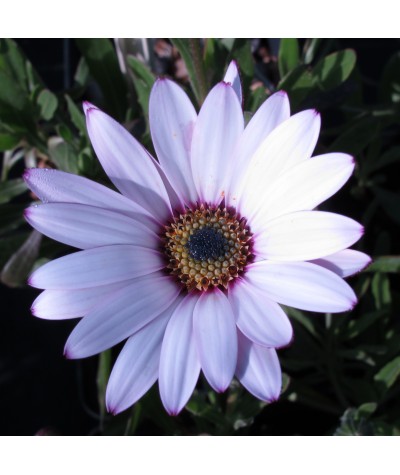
(342, 369)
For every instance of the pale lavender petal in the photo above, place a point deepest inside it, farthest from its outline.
(136, 368)
(84, 226)
(93, 267)
(62, 304)
(232, 77)
(124, 313)
(305, 186)
(302, 285)
(287, 145)
(172, 118)
(258, 370)
(217, 130)
(345, 263)
(258, 317)
(179, 362)
(306, 235)
(216, 338)
(272, 112)
(127, 163)
(55, 186)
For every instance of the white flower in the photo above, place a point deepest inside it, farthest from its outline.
(191, 261)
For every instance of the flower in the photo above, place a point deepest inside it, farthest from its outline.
(191, 261)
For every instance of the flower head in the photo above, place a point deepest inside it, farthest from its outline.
(191, 261)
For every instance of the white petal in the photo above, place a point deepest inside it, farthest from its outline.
(258, 370)
(84, 226)
(289, 144)
(216, 338)
(136, 368)
(172, 118)
(217, 130)
(302, 285)
(62, 304)
(127, 163)
(272, 112)
(305, 186)
(179, 363)
(94, 267)
(124, 313)
(345, 263)
(306, 235)
(55, 186)
(232, 77)
(259, 318)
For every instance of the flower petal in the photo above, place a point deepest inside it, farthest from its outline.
(272, 112)
(232, 77)
(259, 318)
(127, 163)
(305, 186)
(290, 143)
(55, 186)
(63, 304)
(216, 339)
(179, 363)
(217, 130)
(93, 267)
(302, 285)
(306, 235)
(125, 312)
(172, 118)
(258, 370)
(136, 368)
(345, 263)
(84, 226)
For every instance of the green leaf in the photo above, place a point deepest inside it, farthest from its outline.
(381, 290)
(76, 115)
(385, 264)
(298, 84)
(241, 52)
(103, 65)
(18, 267)
(215, 58)
(389, 373)
(11, 188)
(82, 73)
(47, 102)
(288, 56)
(311, 48)
(357, 136)
(356, 327)
(63, 155)
(15, 108)
(12, 62)
(334, 69)
(192, 55)
(356, 421)
(143, 81)
(8, 142)
(9, 245)
(103, 373)
(257, 97)
(389, 86)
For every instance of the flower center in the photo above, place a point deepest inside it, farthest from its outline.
(207, 247)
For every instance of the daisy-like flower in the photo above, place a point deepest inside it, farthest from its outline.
(191, 261)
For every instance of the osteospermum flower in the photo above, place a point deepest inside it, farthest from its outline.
(191, 261)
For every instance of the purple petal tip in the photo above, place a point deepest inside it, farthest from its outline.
(87, 107)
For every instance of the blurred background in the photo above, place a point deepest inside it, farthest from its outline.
(341, 375)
